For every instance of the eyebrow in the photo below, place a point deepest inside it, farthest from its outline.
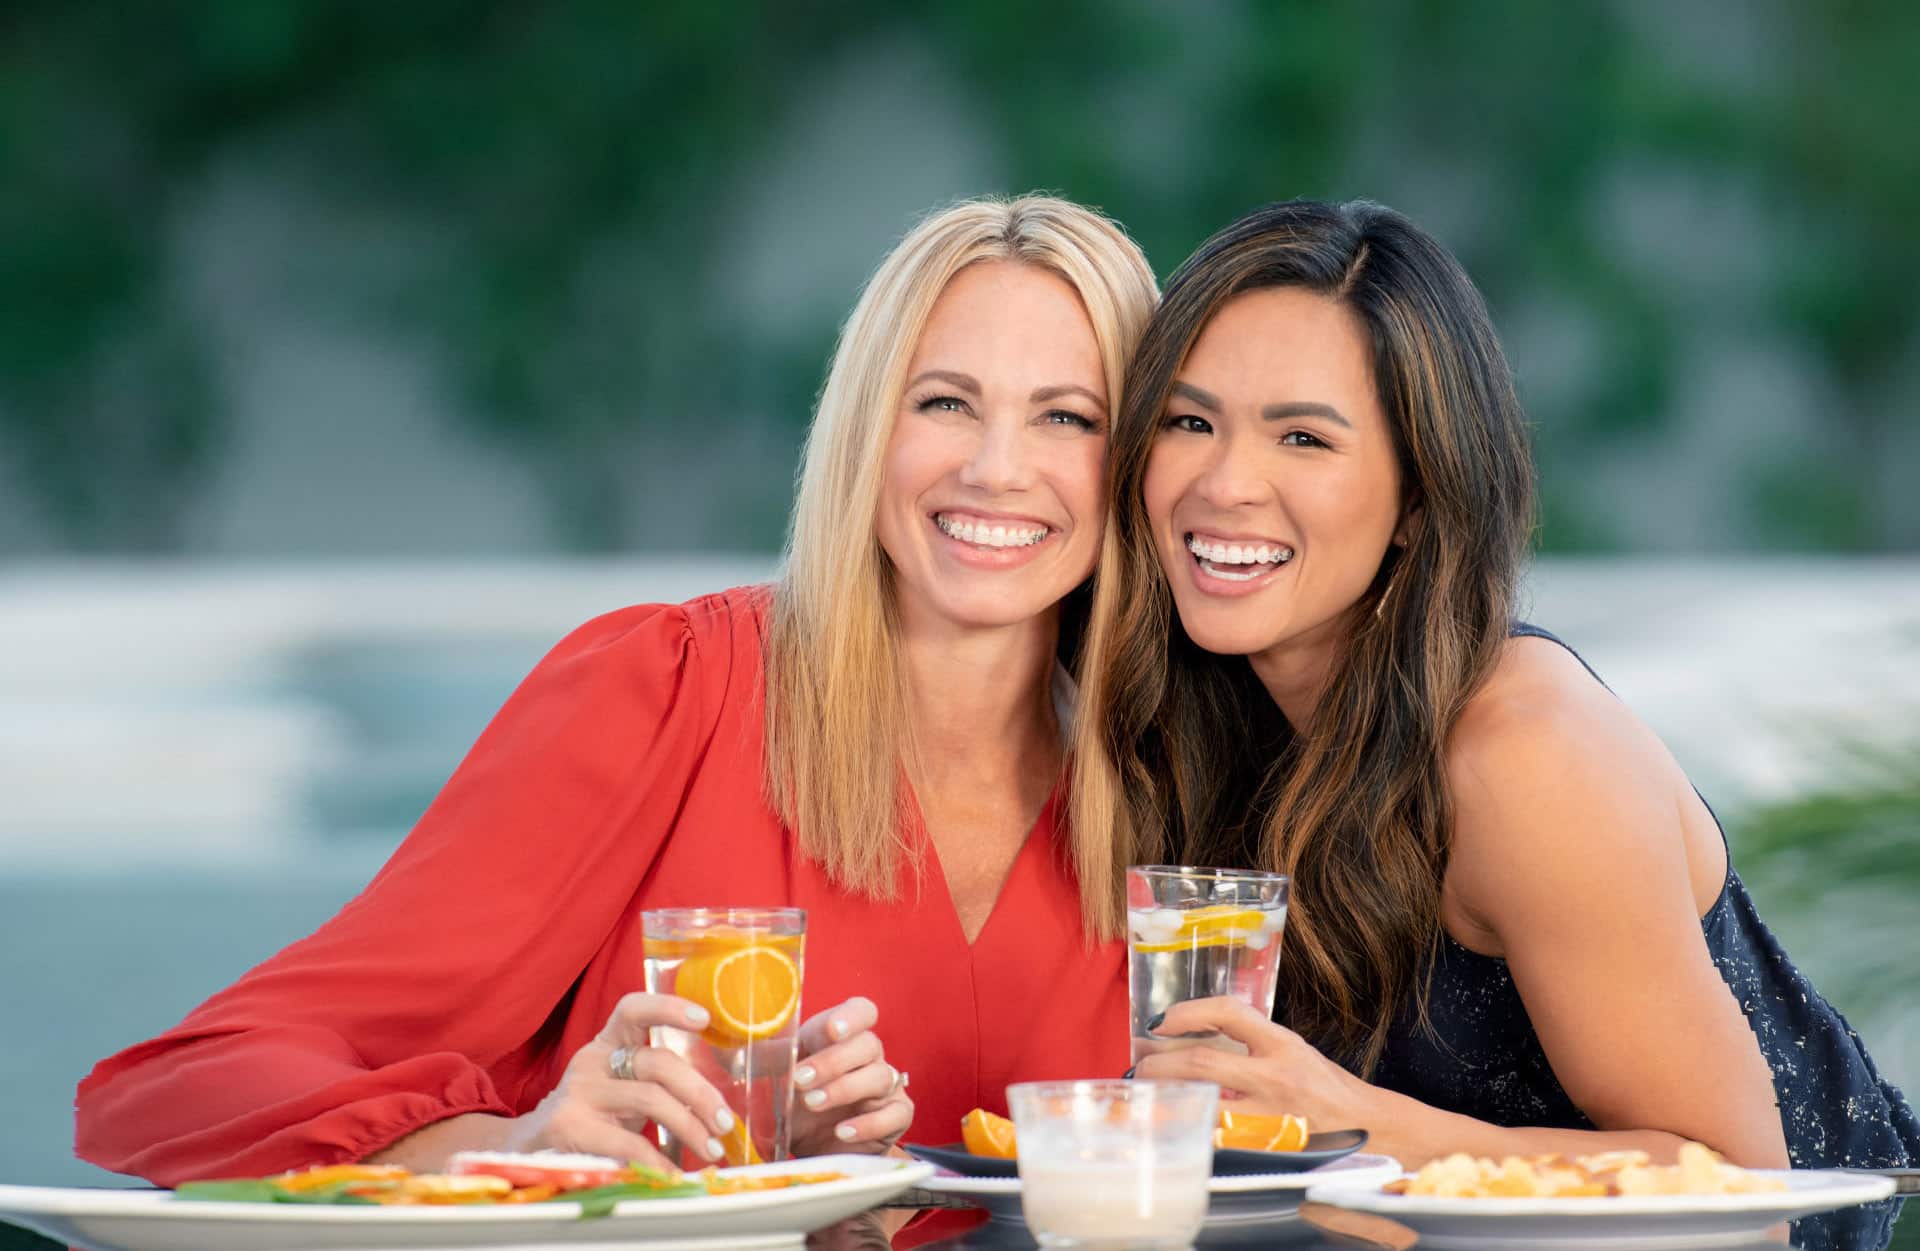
(1303, 408)
(966, 382)
(971, 385)
(1272, 412)
(1205, 399)
(1042, 394)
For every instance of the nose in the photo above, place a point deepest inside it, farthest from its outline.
(1001, 461)
(1229, 481)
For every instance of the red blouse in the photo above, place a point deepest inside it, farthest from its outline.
(624, 773)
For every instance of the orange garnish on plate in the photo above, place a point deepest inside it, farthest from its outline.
(987, 1134)
(1243, 1131)
(750, 991)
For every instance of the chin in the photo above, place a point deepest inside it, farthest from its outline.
(990, 607)
(1226, 634)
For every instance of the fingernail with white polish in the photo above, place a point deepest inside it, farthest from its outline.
(714, 1150)
(844, 1132)
(816, 1099)
(698, 1017)
(804, 1075)
(837, 1027)
(723, 1120)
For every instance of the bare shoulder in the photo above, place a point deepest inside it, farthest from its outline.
(1549, 773)
(1539, 708)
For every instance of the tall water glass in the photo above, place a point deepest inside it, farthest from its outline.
(1114, 1164)
(744, 966)
(1196, 933)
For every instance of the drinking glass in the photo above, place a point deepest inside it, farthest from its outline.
(744, 966)
(1195, 933)
(1114, 1164)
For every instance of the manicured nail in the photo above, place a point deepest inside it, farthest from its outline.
(723, 1120)
(714, 1150)
(804, 1075)
(1155, 1023)
(844, 1131)
(698, 1017)
(1126, 1076)
(815, 1099)
(837, 1027)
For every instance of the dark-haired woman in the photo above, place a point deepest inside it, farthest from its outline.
(1515, 927)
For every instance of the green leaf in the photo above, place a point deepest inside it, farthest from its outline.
(601, 1200)
(241, 1190)
(263, 1190)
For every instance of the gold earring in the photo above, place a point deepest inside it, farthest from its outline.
(1380, 607)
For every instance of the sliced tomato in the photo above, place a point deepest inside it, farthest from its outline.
(561, 1179)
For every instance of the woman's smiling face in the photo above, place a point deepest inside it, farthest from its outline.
(1273, 488)
(992, 506)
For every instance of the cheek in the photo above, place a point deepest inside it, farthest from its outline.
(1161, 487)
(1082, 479)
(912, 464)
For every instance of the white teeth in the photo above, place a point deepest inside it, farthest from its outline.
(1239, 553)
(1222, 572)
(983, 535)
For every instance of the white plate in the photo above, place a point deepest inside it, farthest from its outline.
(1236, 1201)
(153, 1220)
(1643, 1222)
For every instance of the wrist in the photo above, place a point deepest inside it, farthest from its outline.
(1402, 1127)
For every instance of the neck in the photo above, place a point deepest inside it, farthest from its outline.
(1296, 672)
(980, 700)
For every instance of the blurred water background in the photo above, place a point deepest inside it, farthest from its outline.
(352, 352)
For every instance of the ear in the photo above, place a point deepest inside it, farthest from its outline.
(1410, 519)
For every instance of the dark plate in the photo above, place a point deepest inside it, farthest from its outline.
(956, 1157)
(1321, 1149)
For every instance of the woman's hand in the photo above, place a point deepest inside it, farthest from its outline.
(595, 1111)
(846, 1097)
(1282, 1072)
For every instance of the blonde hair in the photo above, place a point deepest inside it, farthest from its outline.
(836, 722)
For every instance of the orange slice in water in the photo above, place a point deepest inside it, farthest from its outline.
(739, 1145)
(987, 1134)
(751, 991)
(1245, 1132)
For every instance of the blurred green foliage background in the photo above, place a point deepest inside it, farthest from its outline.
(616, 239)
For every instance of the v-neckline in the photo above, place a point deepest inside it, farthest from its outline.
(972, 946)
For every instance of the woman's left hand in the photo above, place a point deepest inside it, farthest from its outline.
(846, 1097)
(1282, 1072)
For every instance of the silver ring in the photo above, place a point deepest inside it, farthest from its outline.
(620, 1063)
(899, 1082)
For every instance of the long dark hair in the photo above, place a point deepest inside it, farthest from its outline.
(1181, 754)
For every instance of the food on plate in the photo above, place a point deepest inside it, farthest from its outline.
(490, 1177)
(1244, 1131)
(1698, 1171)
(985, 1134)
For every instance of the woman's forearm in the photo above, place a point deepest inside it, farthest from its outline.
(1414, 1133)
(427, 1149)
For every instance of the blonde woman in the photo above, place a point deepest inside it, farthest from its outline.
(878, 739)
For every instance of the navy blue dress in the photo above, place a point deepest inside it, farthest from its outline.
(1482, 1058)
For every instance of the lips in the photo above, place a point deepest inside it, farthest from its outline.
(991, 531)
(1235, 564)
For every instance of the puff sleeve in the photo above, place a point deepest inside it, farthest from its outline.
(398, 1011)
